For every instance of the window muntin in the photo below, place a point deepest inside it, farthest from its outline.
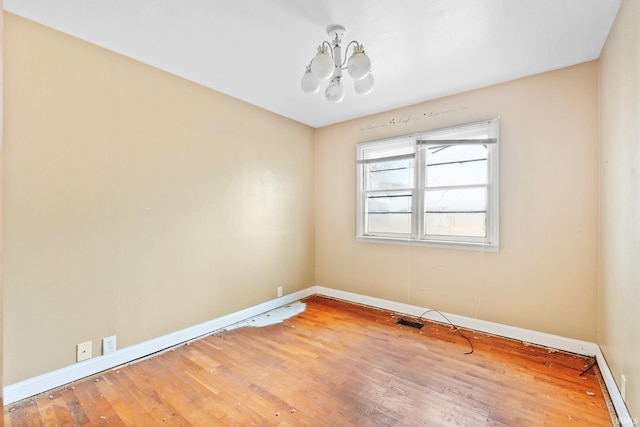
(438, 187)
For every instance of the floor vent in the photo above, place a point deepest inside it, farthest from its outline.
(410, 323)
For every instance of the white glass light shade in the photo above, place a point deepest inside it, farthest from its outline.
(310, 83)
(359, 65)
(364, 86)
(334, 92)
(322, 65)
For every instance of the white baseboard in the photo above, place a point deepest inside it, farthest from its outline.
(539, 338)
(624, 417)
(66, 375)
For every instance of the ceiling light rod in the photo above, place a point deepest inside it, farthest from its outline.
(328, 64)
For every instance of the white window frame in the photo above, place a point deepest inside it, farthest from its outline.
(420, 143)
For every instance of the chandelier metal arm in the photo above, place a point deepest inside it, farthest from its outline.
(346, 53)
(327, 44)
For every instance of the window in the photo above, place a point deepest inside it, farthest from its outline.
(437, 188)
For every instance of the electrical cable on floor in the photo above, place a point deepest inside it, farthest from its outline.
(453, 327)
(590, 366)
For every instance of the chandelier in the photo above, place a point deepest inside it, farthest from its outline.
(328, 64)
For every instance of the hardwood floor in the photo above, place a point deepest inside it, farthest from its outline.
(335, 364)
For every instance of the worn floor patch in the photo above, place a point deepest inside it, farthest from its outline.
(272, 317)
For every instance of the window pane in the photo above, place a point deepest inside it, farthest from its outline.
(468, 173)
(458, 200)
(454, 153)
(389, 213)
(456, 224)
(378, 151)
(391, 175)
(456, 165)
(389, 223)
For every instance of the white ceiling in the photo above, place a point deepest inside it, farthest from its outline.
(256, 50)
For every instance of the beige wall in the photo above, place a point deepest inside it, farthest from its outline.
(544, 277)
(619, 290)
(138, 203)
(1, 200)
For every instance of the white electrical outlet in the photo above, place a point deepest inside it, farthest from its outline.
(279, 291)
(623, 387)
(109, 345)
(83, 351)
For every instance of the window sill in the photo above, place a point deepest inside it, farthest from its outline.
(480, 247)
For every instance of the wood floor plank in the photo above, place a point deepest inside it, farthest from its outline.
(335, 364)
